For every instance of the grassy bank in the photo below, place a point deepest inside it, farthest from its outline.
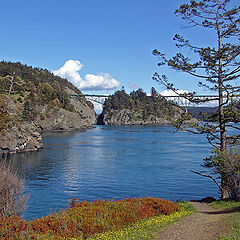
(233, 221)
(136, 218)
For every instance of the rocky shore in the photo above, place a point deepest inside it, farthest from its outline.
(19, 139)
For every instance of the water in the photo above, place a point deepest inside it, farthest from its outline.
(109, 162)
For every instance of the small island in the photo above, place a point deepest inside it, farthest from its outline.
(137, 108)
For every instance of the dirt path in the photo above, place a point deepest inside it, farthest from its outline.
(207, 223)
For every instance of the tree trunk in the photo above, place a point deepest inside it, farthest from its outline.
(224, 182)
(223, 142)
(11, 85)
(224, 190)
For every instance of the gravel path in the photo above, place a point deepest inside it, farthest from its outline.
(206, 223)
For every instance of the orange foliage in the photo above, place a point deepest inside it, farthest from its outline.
(87, 218)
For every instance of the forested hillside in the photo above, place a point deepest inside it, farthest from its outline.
(34, 100)
(34, 84)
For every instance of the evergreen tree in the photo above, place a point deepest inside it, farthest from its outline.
(153, 92)
(5, 118)
(217, 68)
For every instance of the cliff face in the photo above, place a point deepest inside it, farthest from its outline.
(84, 108)
(59, 119)
(20, 139)
(37, 101)
(25, 135)
(136, 117)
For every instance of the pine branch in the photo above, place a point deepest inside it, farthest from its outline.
(208, 176)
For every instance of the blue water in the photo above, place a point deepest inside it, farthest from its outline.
(113, 162)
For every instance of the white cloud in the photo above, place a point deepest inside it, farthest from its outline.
(181, 100)
(70, 71)
(172, 93)
(102, 81)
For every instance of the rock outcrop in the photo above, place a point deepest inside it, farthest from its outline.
(62, 120)
(138, 108)
(25, 135)
(84, 108)
(19, 139)
(133, 117)
(59, 119)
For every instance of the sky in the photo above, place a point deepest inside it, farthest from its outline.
(99, 45)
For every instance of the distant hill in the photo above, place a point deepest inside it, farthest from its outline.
(198, 112)
(231, 112)
(137, 108)
(34, 100)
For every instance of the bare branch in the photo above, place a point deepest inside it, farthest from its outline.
(209, 176)
(232, 126)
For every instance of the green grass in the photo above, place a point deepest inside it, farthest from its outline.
(225, 204)
(234, 231)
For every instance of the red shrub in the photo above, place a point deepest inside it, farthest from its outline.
(86, 219)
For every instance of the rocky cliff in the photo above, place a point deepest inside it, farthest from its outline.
(20, 138)
(136, 117)
(32, 101)
(59, 119)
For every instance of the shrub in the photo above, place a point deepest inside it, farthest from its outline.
(227, 164)
(88, 219)
(12, 200)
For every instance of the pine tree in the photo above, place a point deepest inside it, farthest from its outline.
(217, 68)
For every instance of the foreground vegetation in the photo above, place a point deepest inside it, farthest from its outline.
(12, 198)
(233, 220)
(145, 229)
(130, 218)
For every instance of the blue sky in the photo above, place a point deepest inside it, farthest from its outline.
(107, 39)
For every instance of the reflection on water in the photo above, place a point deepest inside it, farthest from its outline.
(113, 162)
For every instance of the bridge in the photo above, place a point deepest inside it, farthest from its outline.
(91, 97)
(180, 100)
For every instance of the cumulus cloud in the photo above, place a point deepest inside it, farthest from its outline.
(102, 81)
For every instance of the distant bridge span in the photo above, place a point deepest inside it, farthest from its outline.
(180, 99)
(91, 97)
